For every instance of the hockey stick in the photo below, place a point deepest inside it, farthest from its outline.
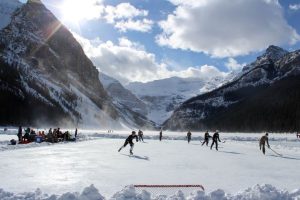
(275, 152)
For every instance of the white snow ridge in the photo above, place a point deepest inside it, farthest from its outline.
(266, 192)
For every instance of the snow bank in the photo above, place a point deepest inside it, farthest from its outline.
(89, 193)
(266, 192)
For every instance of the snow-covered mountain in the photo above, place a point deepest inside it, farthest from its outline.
(265, 96)
(45, 77)
(7, 7)
(128, 105)
(163, 96)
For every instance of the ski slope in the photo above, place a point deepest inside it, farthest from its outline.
(70, 167)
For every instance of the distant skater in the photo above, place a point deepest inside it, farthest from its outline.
(140, 135)
(215, 139)
(189, 136)
(20, 134)
(129, 141)
(206, 138)
(262, 142)
(160, 135)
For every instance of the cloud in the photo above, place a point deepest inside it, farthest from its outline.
(126, 17)
(123, 11)
(226, 28)
(294, 6)
(143, 25)
(233, 65)
(128, 61)
(81, 10)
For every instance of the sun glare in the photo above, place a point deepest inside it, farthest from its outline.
(78, 10)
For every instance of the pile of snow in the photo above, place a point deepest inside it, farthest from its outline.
(89, 193)
(266, 191)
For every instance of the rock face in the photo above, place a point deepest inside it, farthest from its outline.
(131, 108)
(264, 97)
(45, 77)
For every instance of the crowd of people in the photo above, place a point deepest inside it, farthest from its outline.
(53, 136)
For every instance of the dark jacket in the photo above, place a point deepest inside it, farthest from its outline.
(131, 137)
(207, 136)
(263, 140)
(189, 134)
(215, 137)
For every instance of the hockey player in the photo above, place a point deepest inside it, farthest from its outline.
(189, 136)
(140, 135)
(20, 133)
(215, 139)
(262, 142)
(129, 141)
(160, 135)
(206, 138)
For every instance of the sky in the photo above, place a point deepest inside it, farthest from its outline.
(145, 40)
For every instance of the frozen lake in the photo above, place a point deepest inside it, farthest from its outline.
(67, 167)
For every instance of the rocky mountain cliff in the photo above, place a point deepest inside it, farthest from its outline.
(128, 105)
(264, 97)
(45, 77)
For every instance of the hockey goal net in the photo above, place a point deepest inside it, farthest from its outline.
(167, 190)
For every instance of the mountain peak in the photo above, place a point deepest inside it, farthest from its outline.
(274, 53)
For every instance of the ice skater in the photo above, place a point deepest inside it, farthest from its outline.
(262, 142)
(20, 134)
(140, 135)
(215, 139)
(160, 135)
(129, 141)
(189, 136)
(206, 138)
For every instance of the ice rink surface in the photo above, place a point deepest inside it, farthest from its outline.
(237, 165)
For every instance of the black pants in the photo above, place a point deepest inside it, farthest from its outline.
(141, 138)
(189, 139)
(205, 141)
(20, 138)
(160, 137)
(214, 142)
(263, 148)
(125, 144)
(128, 142)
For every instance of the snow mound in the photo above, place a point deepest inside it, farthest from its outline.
(89, 193)
(266, 192)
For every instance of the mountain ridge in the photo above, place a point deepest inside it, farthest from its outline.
(238, 105)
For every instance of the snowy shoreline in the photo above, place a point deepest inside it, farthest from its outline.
(129, 193)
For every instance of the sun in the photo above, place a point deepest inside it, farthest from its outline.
(80, 10)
